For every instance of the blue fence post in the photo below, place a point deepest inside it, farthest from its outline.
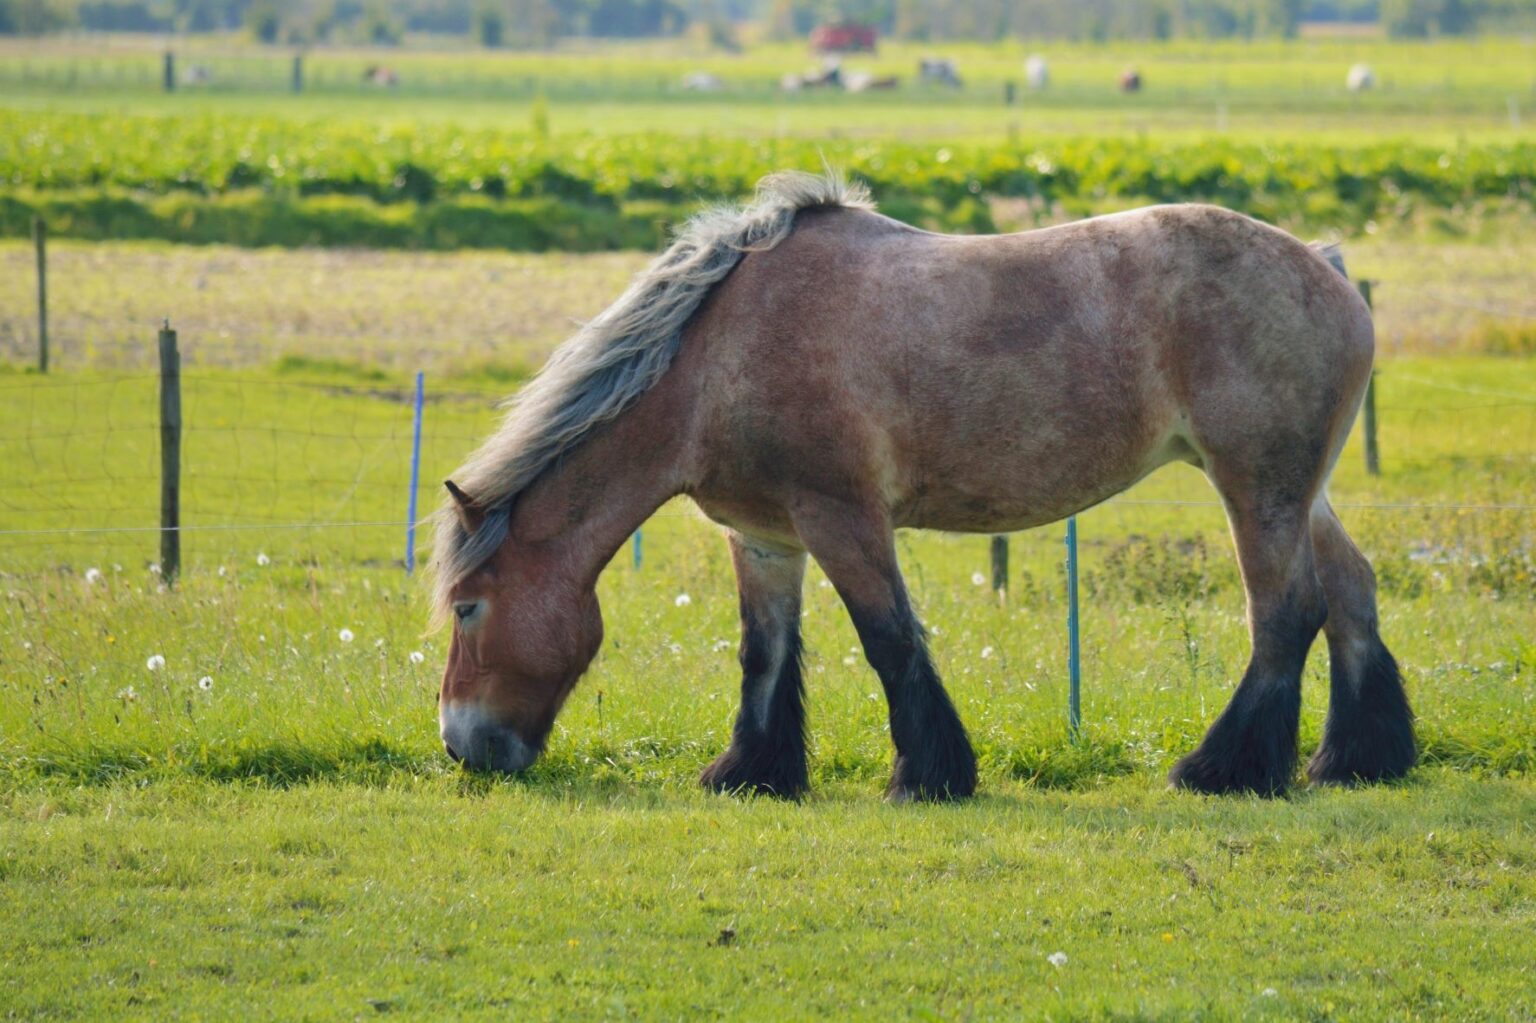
(410, 513)
(635, 543)
(1074, 656)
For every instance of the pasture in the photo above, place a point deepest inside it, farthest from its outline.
(228, 798)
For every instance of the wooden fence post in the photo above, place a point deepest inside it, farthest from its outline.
(1372, 452)
(298, 72)
(168, 72)
(1000, 564)
(40, 240)
(170, 455)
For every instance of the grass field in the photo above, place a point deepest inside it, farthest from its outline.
(285, 838)
(228, 799)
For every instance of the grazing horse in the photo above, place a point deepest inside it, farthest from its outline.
(815, 376)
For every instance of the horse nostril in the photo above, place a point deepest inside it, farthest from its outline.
(451, 754)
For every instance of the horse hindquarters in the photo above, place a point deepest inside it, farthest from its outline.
(1369, 732)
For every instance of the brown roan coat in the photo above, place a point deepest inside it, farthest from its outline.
(856, 376)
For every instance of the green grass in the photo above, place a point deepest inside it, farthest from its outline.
(289, 840)
(438, 896)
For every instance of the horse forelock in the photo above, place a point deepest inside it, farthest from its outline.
(614, 359)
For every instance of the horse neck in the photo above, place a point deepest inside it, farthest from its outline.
(583, 509)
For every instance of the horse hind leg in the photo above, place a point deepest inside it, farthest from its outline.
(1368, 735)
(767, 752)
(1251, 747)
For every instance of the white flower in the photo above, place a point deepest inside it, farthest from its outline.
(1057, 959)
(986, 652)
(262, 638)
(720, 644)
(417, 657)
(379, 642)
(127, 695)
(93, 575)
(345, 635)
(205, 683)
(155, 662)
(116, 567)
(683, 600)
(263, 560)
(223, 571)
(850, 661)
(977, 579)
(154, 568)
(1268, 992)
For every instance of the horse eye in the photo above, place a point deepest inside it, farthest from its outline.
(466, 610)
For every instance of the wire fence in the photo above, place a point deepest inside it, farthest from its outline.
(353, 461)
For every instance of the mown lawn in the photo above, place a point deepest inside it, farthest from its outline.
(429, 897)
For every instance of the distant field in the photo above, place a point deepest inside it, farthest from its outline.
(1452, 88)
(603, 150)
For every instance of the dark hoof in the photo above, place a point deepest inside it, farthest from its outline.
(1200, 772)
(736, 772)
(1374, 751)
(937, 782)
(1368, 737)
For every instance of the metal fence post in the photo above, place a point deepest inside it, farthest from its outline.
(168, 72)
(635, 544)
(40, 241)
(1074, 655)
(1372, 452)
(170, 455)
(410, 503)
(1000, 564)
(297, 81)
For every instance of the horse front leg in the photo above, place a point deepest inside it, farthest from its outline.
(767, 751)
(856, 548)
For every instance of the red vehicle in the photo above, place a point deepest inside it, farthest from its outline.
(843, 38)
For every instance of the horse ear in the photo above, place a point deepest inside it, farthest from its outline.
(470, 512)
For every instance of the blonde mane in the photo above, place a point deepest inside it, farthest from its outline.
(613, 360)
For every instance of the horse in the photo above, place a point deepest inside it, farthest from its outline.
(815, 376)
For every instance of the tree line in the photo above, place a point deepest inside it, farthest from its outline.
(538, 22)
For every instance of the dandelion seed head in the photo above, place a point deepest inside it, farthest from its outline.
(683, 600)
(127, 694)
(986, 652)
(345, 635)
(155, 662)
(263, 560)
(205, 683)
(417, 657)
(93, 576)
(1057, 959)
(977, 579)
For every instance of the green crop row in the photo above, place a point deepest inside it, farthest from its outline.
(206, 157)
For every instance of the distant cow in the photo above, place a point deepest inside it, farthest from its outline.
(863, 81)
(939, 70)
(380, 76)
(702, 81)
(1037, 73)
(830, 76)
(1360, 78)
(1130, 80)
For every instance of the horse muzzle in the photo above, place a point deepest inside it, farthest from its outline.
(473, 739)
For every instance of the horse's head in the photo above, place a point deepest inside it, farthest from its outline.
(522, 635)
